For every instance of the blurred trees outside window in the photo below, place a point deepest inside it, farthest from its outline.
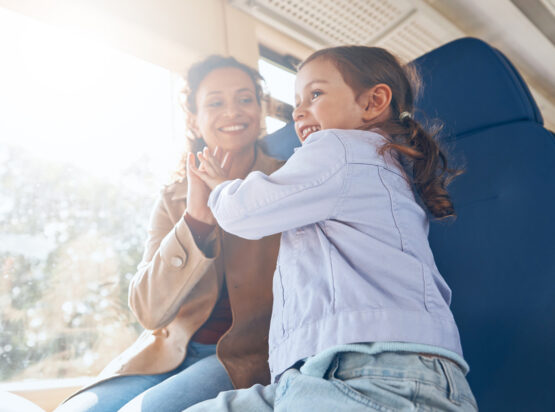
(87, 138)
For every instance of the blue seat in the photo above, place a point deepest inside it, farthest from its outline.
(282, 142)
(498, 256)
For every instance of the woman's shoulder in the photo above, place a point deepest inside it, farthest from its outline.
(174, 190)
(265, 163)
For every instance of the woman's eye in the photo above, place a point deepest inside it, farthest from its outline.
(214, 103)
(246, 100)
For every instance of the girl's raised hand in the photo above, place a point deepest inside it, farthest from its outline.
(214, 167)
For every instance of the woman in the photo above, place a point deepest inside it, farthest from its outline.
(204, 296)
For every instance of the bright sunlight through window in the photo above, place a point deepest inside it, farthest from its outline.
(281, 86)
(87, 136)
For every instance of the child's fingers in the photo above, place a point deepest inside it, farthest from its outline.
(200, 174)
(207, 162)
(193, 169)
(226, 162)
(208, 167)
(223, 159)
(217, 153)
(210, 162)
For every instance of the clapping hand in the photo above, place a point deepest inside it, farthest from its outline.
(214, 167)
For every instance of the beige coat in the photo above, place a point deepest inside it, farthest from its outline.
(177, 286)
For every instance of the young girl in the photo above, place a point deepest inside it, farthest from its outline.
(361, 315)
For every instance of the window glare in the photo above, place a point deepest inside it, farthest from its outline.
(280, 82)
(87, 136)
(273, 124)
(67, 98)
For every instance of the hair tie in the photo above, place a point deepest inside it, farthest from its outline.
(405, 115)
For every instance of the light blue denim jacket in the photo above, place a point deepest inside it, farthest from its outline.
(354, 263)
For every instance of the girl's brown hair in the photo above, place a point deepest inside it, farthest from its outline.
(365, 67)
(194, 77)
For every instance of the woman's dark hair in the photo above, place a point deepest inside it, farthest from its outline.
(365, 67)
(194, 77)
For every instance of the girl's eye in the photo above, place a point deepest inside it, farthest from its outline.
(314, 94)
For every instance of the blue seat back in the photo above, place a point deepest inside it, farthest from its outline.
(498, 256)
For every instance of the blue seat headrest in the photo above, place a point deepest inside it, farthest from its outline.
(469, 85)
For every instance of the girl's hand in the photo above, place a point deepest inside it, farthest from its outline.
(214, 167)
(197, 195)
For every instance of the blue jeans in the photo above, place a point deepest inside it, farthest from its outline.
(389, 381)
(200, 376)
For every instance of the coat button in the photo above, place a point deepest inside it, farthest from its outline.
(177, 261)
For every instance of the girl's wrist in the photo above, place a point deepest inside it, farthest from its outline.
(201, 216)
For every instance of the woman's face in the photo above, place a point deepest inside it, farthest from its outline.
(228, 114)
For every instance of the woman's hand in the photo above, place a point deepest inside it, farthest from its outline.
(197, 195)
(214, 167)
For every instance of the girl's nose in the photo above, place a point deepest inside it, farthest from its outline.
(298, 113)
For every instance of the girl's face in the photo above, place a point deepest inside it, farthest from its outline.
(324, 101)
(228, 114)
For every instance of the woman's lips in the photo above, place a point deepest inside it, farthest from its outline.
(233, 128)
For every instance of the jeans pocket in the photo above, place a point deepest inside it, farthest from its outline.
(449, 390)
(386, 394)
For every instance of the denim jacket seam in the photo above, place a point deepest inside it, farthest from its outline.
(334, 212)
(392, 208)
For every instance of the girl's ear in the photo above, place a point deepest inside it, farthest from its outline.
(375, 102)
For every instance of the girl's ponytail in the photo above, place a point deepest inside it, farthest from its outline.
(425, 162)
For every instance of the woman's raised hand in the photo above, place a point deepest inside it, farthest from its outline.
(197, 195)
(214, 167)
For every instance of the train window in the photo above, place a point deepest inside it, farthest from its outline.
(279, 74)
(280, 81)
(84, 143)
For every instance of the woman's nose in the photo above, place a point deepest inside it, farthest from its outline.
(231, 110)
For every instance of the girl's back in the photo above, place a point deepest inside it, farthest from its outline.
(359, 255)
